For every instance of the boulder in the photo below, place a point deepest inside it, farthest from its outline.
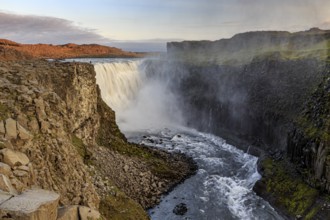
(180, 209)
(14, 158)
(11, 130)
(32, 205)
(6, 186)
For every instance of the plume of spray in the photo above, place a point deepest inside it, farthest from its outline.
(141, 101)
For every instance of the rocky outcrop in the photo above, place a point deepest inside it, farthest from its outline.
(31, 205)
(57, 134)
(309, 141)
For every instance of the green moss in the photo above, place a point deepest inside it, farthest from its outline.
(4, 112)
(291, 193)
(117, 206)
(2, 146)
(81, 148)
(312, 212)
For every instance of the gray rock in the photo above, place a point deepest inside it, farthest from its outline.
(4, 196)
(33, 205)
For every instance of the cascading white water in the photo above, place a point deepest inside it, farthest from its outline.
(140, 103)
(119, 82)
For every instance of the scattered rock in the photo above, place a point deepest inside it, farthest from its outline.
(180, 209)
(14, 158)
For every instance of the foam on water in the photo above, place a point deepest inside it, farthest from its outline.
(222, 187)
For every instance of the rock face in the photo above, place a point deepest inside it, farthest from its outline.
(271, 89)
(57, 133)
(309, 142)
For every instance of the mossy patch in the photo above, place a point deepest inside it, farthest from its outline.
(117, 206)
(81, 148)
(289, 192)
(312, 212)
(4, 112)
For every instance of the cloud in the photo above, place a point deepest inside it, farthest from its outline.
(41, 29)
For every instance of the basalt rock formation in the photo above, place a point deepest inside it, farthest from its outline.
(10, 50)
(57, 134)
(270, 89)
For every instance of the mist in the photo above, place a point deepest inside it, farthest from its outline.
(142, 102)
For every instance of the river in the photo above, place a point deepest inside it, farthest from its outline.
(147, 112)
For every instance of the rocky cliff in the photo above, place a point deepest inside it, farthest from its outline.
(270, 89)
(64, 139)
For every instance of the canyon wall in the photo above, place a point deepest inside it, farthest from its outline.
(271, 90)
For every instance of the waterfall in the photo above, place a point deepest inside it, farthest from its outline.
(119, 82)
(141, 101)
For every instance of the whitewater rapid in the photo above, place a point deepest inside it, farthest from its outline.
(222, 187)
(147, 113)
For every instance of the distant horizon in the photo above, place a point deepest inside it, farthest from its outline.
(146, 25)
(154, 45)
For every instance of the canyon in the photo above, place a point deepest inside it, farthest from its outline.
(267, 93)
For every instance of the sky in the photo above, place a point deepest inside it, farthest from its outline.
(146, 25)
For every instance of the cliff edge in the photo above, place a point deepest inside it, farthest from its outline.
(10, 50)
(52, 116)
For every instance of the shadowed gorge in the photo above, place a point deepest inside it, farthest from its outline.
(236, 128)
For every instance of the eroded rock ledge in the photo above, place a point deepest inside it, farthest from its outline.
(57, 135)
